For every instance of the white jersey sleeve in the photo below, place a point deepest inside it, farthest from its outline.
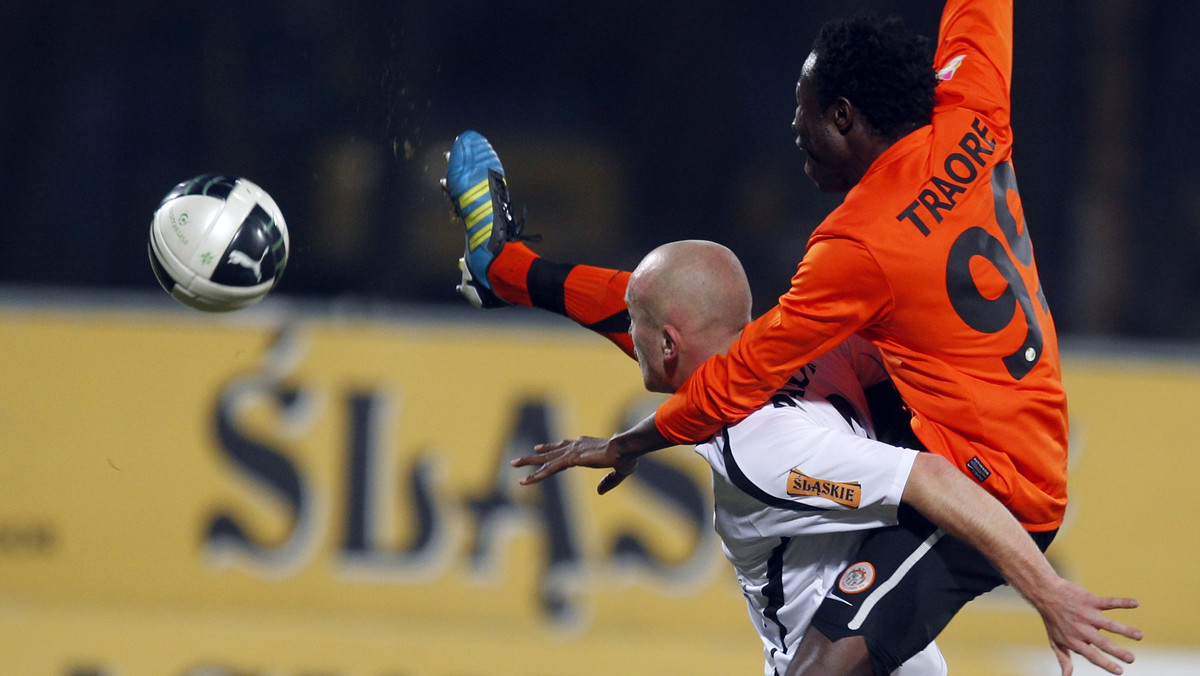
(803, 468)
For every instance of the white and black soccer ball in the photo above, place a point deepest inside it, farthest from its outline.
(218, 243)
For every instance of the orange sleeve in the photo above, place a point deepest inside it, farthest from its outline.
(974, 57)
(837, 289)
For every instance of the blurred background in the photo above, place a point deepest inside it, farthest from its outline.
(319, 485)
(623, 125)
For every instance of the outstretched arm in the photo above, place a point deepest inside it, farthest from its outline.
(618, 452)
(1072, 614)
(974, 60)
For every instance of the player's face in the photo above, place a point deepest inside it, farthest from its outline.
(818, 136)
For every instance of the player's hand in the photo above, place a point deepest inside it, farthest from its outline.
(618, 453)
(553, 458)
(615, 477)
(1074, 622)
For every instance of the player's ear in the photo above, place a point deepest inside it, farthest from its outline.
(669, 342)
(842, 113)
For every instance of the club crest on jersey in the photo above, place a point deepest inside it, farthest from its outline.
(846, 494)
(857, 578)
(948, 71)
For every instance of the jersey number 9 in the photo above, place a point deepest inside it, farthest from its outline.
(990, 315)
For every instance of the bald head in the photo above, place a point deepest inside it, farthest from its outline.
(688, 301)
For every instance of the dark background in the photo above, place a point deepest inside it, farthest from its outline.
(622, 125)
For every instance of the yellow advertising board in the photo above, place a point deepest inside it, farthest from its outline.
(334, 497)
(196, 495)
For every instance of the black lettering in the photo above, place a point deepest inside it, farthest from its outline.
(367, 495)
(973, 147)
(551, 509)
(801, 378)
(972, 172)
(981, 313)
(948, 189)
(780, 400)
(990, 315)
(977, 125)
(787, 395)
(359, 470)
(269, 468)
(910, 214)
(271, 476)
(933, 203)
(1004, 181)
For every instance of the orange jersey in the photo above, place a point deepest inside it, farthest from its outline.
(928, 257)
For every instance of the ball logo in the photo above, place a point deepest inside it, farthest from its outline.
(240, 258)
(857, 578)
(178, 223)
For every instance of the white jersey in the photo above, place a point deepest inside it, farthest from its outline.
(796, 484)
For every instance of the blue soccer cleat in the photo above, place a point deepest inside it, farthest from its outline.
(478, 192)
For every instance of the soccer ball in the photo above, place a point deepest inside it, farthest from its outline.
(218, 243)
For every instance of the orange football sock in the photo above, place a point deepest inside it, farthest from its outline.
(592, 297)
(509, 271)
